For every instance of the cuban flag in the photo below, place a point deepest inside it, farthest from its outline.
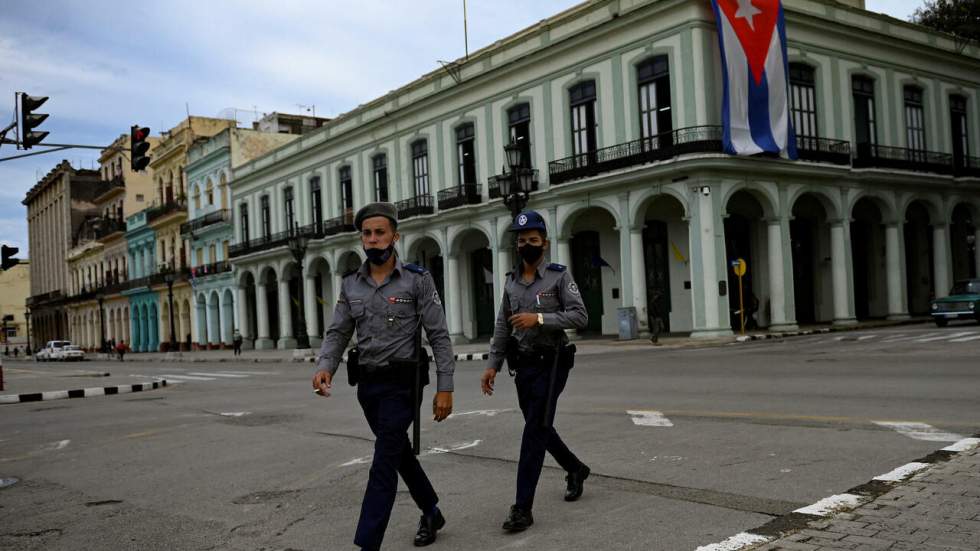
(755, 107)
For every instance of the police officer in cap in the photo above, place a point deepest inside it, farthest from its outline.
(540, 301)
(384, 301)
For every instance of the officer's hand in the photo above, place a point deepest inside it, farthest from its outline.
(523, 321)
(442, 405)
(486, 381)
(322, 381)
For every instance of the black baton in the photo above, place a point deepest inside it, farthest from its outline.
(552, 376)
(417, 405)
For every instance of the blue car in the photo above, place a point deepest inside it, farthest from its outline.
(963, 303)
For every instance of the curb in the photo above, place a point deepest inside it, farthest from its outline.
(79, 393)
(823, 330)
(840, 503)
(474, 356)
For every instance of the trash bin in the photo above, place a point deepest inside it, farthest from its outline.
(627, 323)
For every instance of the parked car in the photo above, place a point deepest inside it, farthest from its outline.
(71, 353)
(51, 351)
(962, 303)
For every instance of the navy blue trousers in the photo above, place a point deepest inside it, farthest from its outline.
(388, 409)
(532, 395)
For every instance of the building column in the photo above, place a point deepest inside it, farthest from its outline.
(243, 325)
(708, 250)
(200, 314)
(154, 331)
(336, 284)
(894, 269)
(286, 339)
(638, 277)
(226, 313)
(309, 310)
(454, 299)
(782, 318)
(564, 252)
(262, 342)
(840, 251)
(502, 260)
(976, 249)
(941, 259)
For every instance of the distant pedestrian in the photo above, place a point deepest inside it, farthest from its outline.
(15, 352)
(237, 342)
(121, 350)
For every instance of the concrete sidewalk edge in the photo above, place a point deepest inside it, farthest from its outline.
(841, 503)
(80, 393)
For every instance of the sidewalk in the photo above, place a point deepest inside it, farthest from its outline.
(477, 351)
(938, 508)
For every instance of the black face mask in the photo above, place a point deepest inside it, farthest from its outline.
(379, 256)
(530, 253)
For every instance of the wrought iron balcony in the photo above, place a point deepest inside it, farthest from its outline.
(694, 139)
(216, 217)
(415, 206)
(168, 207)
(340, 224)
(901, 158)
(109, 226)
(210, 269)
(823, 150)
(272, 241)
(464, 194)
(967, 166)
(494, 184)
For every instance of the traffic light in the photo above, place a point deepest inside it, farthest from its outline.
(30, 120)
(8, 261)
(138, 147)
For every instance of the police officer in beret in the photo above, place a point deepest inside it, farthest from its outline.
(540, 301)
(384, 301)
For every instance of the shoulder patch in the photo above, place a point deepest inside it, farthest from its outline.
(556, 267)
(415, 268)
(350, 272)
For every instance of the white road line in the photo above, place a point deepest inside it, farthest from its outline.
(963, 445)
(946, 336)
(895, 337)
(486, 412)
(219, 374)
(188, 377)
(866, 337)
(920, 431)
(250, 372)
(431, 451)
(910, 337)
(901, 473)
(55, 446)
(734, 543)
(966, 339)
(234, 413)
(649, 418)
(830, 504)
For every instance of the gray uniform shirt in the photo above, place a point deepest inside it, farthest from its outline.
(554, 294)
(386, 317)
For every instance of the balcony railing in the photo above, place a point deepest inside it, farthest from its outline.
(168, 207)
(415, 206)
(216, 217)
(464, 194)
(823, 150)
(693, 139)
(340, 224)
(494, 184)
(967, 166)
(109, 226)
(210, 269)
(272, 241)
(901, 158)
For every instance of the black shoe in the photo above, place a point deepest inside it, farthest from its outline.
(518, 520)
(428, 526)
(575, 483)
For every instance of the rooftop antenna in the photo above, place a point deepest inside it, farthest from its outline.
(466, 36)
(452, 67)
(310, 108)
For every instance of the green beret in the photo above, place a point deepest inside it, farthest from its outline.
(371, 210)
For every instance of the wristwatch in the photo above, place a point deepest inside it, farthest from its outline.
(540, 319)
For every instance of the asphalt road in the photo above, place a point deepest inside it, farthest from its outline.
(722, 439)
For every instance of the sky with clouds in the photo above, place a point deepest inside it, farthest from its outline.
(108, 65)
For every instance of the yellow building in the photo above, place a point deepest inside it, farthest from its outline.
(15, 287)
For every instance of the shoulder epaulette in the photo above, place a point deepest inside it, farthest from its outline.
(415, 268)
(351, 272)
(556, 267)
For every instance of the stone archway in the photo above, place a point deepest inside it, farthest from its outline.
(470, 304)
(594, 252)
(869, 259)
(920, 273)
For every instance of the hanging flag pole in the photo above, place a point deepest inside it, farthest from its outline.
(466, 34)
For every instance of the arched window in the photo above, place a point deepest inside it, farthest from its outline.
(380, 163)
(209, 192)
(803, 102)
(519, 122)
(865, 126)
(420, 167)
(197, 197)
(915, 126)
(582, 99)
(466, 154)
(653, 81)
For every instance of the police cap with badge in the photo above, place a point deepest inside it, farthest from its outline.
(371, 210)
(528, 220)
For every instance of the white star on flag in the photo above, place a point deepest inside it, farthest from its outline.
(746, 11)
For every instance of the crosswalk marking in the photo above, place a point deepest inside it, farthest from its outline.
(920, 431)
(220, 374)
(649, 418)
(946, 336)
(966, 339)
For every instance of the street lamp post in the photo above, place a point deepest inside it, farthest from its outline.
(170, 278)
(101, 324)
(297, 246)
(27, 317)
(515, 188)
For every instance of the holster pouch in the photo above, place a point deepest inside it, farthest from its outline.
(566, 356)
(512, 354)
(353, 366)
